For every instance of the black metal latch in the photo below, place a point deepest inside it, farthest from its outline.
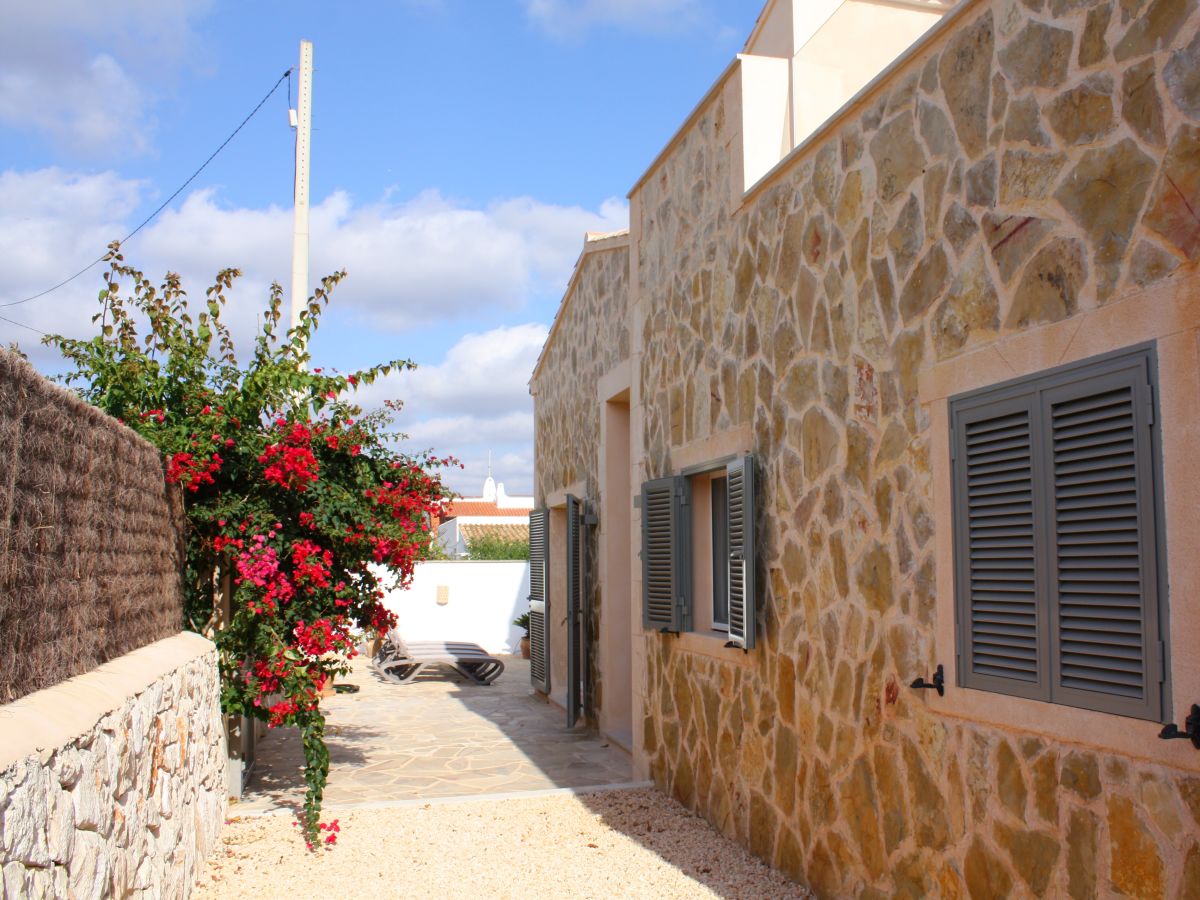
(1191, 723)
(938, 684)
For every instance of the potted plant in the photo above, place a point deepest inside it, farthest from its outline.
(522, 621)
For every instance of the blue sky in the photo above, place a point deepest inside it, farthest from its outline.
(460, 150)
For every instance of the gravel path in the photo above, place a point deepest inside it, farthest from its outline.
(630, 843)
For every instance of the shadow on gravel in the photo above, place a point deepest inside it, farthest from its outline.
(283, 780)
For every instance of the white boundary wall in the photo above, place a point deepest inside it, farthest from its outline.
(481, 598)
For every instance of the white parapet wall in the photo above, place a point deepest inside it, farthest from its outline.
(113, 783)
(464, 600)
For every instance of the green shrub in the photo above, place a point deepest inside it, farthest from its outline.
(494, 546)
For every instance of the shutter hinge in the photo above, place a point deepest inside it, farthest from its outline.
(1162, 662)
(1149, 404)
(953, 450)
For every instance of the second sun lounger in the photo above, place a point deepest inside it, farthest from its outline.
(401, 661)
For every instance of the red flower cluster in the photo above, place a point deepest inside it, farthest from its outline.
(324, 636)
(280, 711)
(311, 564)
(194, 471)
(259, 566)
(290, 462)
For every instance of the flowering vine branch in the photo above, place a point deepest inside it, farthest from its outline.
(296, 500)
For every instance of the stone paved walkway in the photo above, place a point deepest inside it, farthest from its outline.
(440, 736)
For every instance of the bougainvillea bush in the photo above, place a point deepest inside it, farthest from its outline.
(300, 510)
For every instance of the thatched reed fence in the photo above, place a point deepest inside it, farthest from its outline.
(91, 538)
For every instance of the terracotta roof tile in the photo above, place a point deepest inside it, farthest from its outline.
(505, 532)
(482, 508)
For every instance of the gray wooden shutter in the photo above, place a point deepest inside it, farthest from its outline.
(1001, 613)
(574, 610)
(1104, 580)
(1057, 540)
(539, 613)
(742, 561)
(666, 556)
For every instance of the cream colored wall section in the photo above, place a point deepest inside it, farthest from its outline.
(113, 783)
(806, 59)
(846, 51)
(766, 118)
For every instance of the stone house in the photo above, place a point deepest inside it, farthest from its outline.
(905, 395)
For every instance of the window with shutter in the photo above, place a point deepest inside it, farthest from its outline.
(539, 618)
(741, 590)
(666, 563)
(1056, 537)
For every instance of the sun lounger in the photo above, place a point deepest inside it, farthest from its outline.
(401, 661)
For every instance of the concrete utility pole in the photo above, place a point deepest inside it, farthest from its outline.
(303, 126)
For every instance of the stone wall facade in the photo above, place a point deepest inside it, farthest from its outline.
(112, 784)
(1020, 191)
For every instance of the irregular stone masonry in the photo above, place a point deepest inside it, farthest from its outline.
(130, 808)
(1038, 160)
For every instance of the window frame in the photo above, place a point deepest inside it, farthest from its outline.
(719, 528)
(684, 527)
(1031, 391)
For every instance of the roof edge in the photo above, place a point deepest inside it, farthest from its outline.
(686, 125)
(593, 242)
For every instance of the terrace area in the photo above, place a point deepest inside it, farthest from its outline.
(445, 782)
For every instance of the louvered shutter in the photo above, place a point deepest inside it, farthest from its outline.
(539, 613)
(666, 558)
(574, 610)
(742, 561)
(1001, 611)
(1102, 554)
(1057, 544)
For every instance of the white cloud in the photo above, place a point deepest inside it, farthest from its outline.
(70, 69)
(483, 375)
(569, 18)
(436, 261)
(411, 263)
(475, 401)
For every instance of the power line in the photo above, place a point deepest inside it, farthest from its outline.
(23, 325)
(286, 75)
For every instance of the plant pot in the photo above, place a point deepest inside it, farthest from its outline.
(525, 647)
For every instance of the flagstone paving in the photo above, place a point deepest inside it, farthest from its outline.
(440, 736)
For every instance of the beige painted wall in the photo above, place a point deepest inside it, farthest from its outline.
(616, 620)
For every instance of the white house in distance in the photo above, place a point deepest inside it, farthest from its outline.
(494, 512)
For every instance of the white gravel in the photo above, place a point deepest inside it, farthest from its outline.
(636, 843)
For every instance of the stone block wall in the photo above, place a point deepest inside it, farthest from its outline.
(1023, 187)
(113, 783)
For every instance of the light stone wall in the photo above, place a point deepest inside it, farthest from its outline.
(1033, 167)
(113, 783)
(590, 339)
